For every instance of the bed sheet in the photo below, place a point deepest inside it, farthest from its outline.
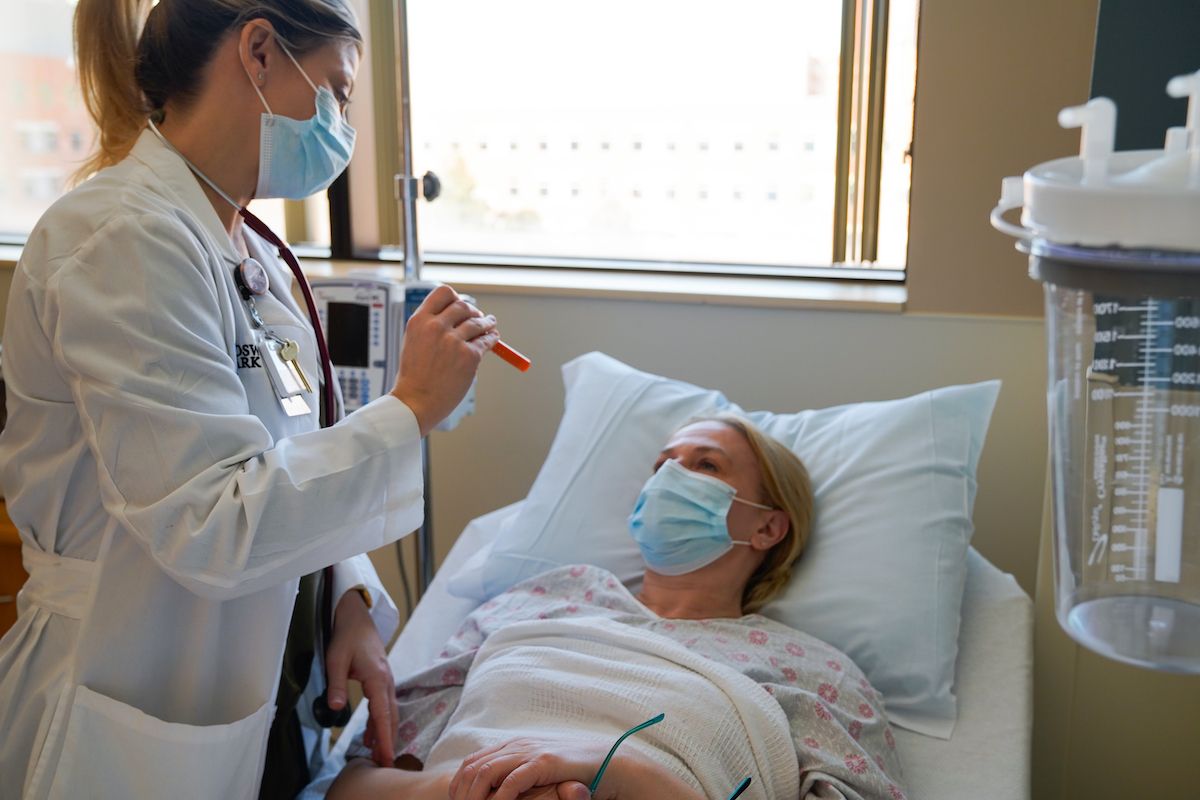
(989, 753)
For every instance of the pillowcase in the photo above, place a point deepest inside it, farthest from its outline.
(882, 576)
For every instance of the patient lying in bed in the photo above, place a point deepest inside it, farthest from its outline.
(529, 694)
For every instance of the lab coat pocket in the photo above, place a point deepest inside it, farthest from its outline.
(113, 750)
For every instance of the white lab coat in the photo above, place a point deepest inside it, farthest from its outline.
(166, 503)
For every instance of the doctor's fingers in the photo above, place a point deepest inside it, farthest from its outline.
(437, 300)
(337, 672)
(383, 715)
(457, 313)
(475, 327)
(484, 343)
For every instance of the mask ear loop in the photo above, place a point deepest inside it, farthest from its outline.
(287, 52)
(258, 91)
(260, 97)
(737, 499)
(296, 63)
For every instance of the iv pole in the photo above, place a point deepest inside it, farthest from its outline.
(407, 192)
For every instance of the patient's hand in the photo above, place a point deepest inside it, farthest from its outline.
(528, 768)
(571, 790)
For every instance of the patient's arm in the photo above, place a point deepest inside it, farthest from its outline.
(362, 779)
(516, 767)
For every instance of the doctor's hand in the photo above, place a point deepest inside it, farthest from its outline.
(357, 653)
(444, 341)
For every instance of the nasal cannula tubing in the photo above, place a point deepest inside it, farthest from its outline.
(737, 792)
(600, 772)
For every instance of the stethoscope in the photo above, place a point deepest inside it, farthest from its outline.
(325, 716)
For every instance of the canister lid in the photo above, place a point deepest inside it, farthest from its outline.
(1138, 199)
(1140, 203)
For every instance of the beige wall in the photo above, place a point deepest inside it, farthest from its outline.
(776, 359)
(5, 281)
(991, 78)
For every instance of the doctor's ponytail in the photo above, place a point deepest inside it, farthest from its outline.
(106, 37)
(135, 56)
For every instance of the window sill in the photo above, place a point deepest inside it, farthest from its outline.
(728, 290)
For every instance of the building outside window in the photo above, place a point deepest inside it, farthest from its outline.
(39, 103)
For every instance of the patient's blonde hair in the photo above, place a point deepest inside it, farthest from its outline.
(787, 486)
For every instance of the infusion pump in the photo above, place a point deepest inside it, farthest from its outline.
(363, 318)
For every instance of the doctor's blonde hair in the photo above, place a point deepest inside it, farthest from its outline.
(135, 55)
(786, 486)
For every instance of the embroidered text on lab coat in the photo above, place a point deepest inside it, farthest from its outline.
(248, 356)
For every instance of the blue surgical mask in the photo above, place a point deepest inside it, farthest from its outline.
(679, 519)
(298, 158)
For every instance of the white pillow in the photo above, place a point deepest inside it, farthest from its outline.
(882, 576)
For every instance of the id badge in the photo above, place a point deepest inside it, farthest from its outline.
(284, 378)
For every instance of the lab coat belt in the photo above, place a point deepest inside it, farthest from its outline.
(56, 583)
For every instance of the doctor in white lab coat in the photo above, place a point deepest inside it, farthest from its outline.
(167, 501)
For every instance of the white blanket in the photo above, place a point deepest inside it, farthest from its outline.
(565, 679)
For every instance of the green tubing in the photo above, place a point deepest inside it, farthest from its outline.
(623, 737)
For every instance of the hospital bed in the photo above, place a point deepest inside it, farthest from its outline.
(988, 755)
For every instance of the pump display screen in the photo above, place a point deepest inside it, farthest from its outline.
(349, 329)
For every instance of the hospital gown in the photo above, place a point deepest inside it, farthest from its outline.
(837, 720)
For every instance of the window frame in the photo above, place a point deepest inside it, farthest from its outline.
(365, 202)
(861, 80)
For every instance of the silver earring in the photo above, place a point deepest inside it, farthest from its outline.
(261, 76)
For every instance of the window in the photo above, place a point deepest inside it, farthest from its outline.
(37, 136)
(41, 114)
(688, 131)
(306, 222)
(768, 136)
(45, 132)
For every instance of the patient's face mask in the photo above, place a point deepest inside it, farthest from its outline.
(679, 521)
(298, 158)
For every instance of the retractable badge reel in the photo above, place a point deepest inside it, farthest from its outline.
(280, 356)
